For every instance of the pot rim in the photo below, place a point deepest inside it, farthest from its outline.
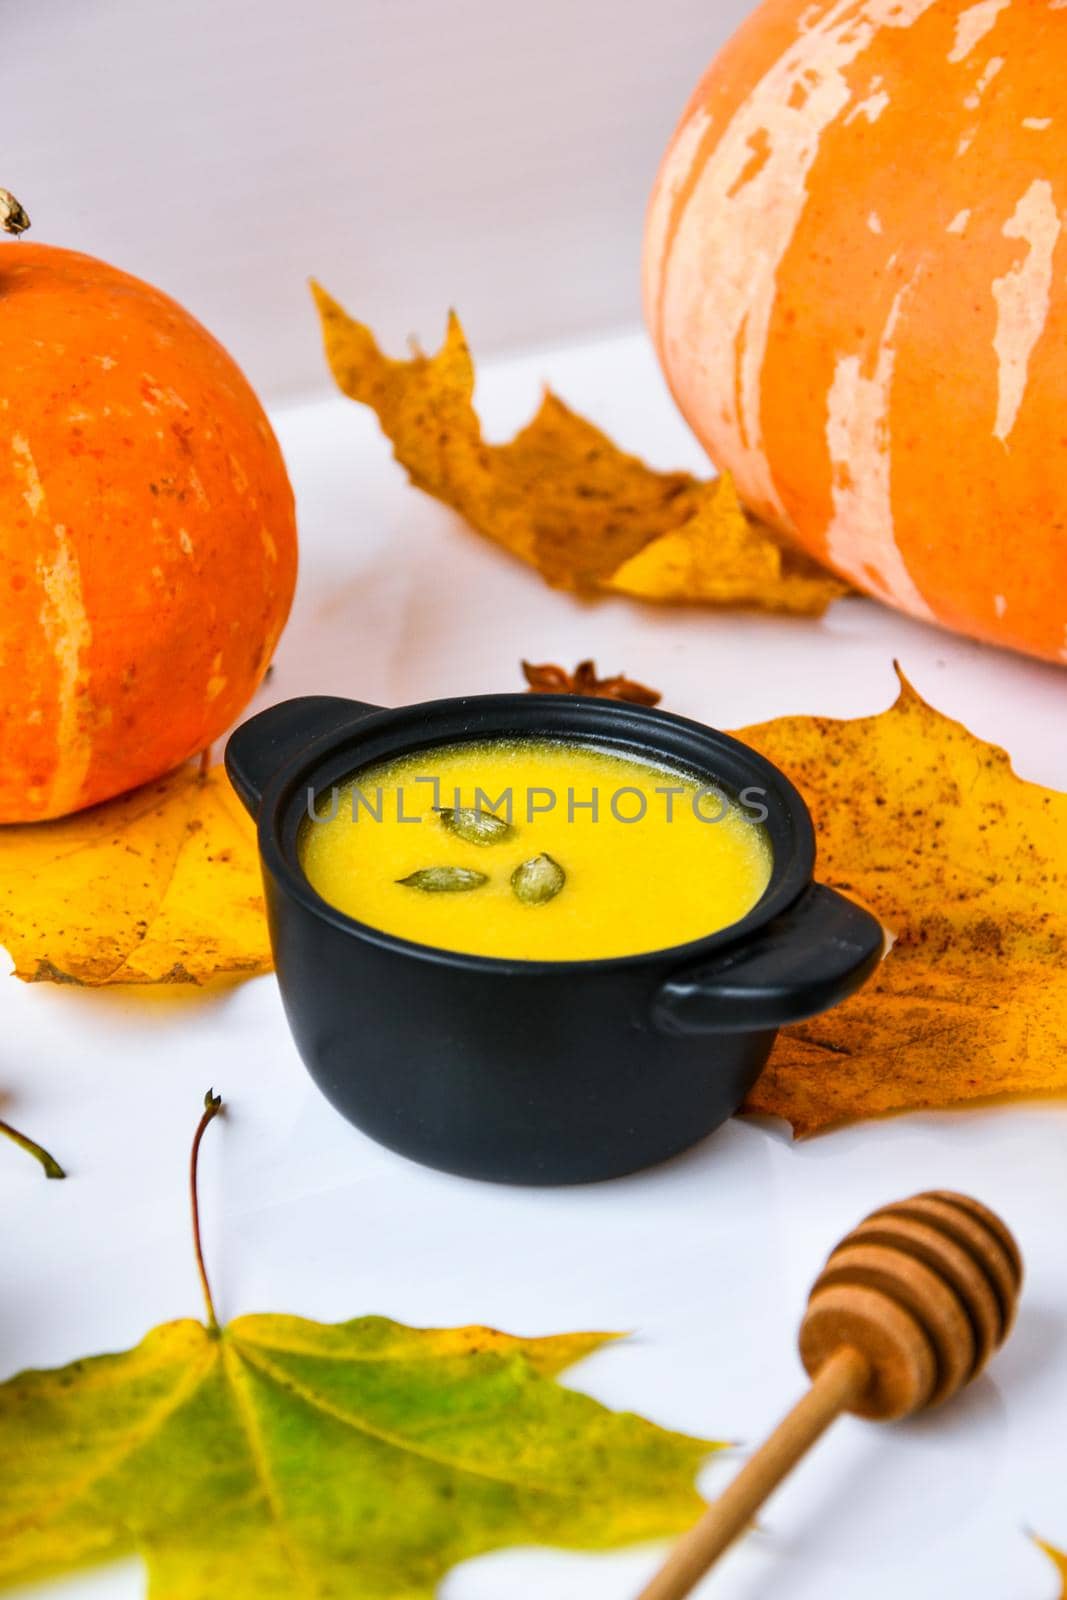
(623, 726)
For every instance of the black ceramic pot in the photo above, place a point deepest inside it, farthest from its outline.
(533, 1071)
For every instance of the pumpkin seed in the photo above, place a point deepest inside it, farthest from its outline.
(474, 824)
(538, 880)
(13, 218)
(444, 880)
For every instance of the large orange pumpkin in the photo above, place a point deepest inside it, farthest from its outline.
(856, 278)
(147, 538)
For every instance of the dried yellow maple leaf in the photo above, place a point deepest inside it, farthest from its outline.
(966, 864)
(561, 496)
(159, 886)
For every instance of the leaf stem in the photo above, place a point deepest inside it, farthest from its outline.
(52, 1168)
(212, 1107)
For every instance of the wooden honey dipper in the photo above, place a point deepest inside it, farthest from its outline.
(908, 1308)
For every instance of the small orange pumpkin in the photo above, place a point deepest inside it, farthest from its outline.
(147, 534)
(856, 279)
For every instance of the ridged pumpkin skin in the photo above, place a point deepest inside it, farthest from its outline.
(147, 535)
(856, 278)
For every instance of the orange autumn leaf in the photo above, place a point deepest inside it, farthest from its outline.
(159, 886)
(1059, 1561)
(561, 496)
(966, 864)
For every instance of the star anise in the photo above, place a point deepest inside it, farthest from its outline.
(549, 679)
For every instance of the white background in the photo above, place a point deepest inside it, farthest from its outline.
(496, 156)
(492, 154)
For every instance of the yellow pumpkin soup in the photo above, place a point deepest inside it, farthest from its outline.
(542, 850)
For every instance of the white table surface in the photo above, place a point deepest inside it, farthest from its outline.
(708, 1258)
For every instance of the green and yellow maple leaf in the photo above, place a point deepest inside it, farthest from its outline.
(280, 1457)
(275, 1457)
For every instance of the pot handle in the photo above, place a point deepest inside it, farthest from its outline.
(821, 949)
(261, 746)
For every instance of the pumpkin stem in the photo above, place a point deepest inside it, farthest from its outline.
(212, 1107)
(13, 217)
